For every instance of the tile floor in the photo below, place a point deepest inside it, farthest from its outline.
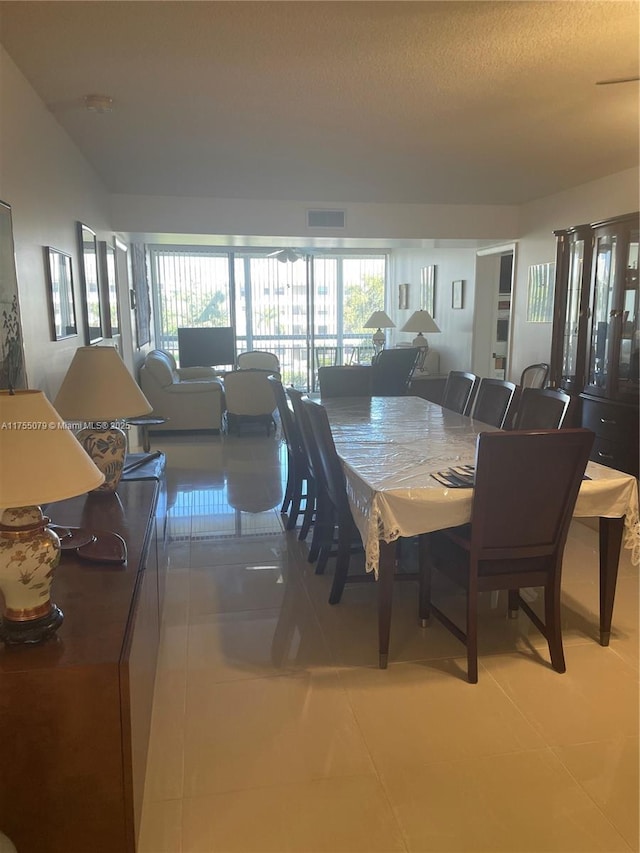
(273, 729)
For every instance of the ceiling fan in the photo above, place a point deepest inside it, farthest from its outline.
(287, 255)
(617, 80)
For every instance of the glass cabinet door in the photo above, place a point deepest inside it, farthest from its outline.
(571, 329)
(629, 320)
(603, 320)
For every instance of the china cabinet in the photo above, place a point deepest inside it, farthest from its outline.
(596, 333)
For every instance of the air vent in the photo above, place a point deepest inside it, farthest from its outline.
(325, 218)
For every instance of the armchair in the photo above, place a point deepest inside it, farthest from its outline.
(249, 399)
(190, 398)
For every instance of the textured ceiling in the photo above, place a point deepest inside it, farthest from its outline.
(334, 102)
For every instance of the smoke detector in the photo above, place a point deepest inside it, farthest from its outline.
(98, 103)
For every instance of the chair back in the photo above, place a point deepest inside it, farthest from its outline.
(459, 391)
(391, 371)
(525, 491)
(540, 408)
(260, 360)
(161, 365)
(341, 381)
(329, 462)
(289, 427)
(248, 392)
(492, 401)
(306, 436)
(534, 376)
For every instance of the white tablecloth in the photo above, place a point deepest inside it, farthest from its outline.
(389, 447)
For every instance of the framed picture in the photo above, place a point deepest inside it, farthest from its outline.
(62, 304)
(142, 301)
(457, 294)
(403, 296)
(91, 309)
(12, 370)
(110, 300)
(428, 288)
(541, 286)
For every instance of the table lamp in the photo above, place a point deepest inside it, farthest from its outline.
(420, 321)
(98, 390)
(379, 320)
(40, 462)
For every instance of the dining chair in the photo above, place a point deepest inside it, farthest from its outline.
(322, 540)
(534, 376)
(333, 484)
(259, 360)
(541, 408)
(459, 391)
(299, 496)
(526, 486)
(345, 381)
(492, 401)
(391, 371)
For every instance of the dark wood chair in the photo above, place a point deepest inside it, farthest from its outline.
(322, 540)
(534, 376)
(391, 371)
(459, 391)
(492, 401)
(299, 496)
(345, 381)
(539, 408)
(526, 486)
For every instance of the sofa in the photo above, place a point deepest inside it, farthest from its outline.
(190, 397)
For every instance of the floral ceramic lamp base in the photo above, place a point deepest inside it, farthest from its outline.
(29, 553)
(107, 447)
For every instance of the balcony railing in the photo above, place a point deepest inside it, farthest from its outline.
(295, 356)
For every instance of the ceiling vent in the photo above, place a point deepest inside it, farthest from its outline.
(326, 218)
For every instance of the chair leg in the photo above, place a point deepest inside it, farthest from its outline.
(309, 510)
(553, 624)
(295, 505)
(342, 561)
(288, 492)
(472, 632)
(424, 567)
(322, 530)
(514, 603)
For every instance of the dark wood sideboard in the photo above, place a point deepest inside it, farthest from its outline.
(75, 711)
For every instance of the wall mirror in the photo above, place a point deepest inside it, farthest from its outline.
(109, 289)
(62, 306)
(92, 314)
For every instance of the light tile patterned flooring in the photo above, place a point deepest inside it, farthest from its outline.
(273, 729)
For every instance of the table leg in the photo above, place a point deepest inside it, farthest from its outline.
(386, 571)
(611, 530)
(146, 443)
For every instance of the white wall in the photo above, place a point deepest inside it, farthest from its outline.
(159, 214)
(454, 342)
(49, 186)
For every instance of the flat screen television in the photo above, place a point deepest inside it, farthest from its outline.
(207, 347)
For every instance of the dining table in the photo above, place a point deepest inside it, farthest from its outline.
(391, 448)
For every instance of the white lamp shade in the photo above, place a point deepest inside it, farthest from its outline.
(98, 387)
(420, 321)
(379, 320)
(40, 459)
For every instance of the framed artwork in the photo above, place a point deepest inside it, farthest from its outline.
(62, 304)
(12, 370)
(110, 300)
(403, 296)
(91, 308)
(457, 294)
(428, 288)
(142, 301)
(541, 286)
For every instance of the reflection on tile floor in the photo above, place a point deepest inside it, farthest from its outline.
(273, 729)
